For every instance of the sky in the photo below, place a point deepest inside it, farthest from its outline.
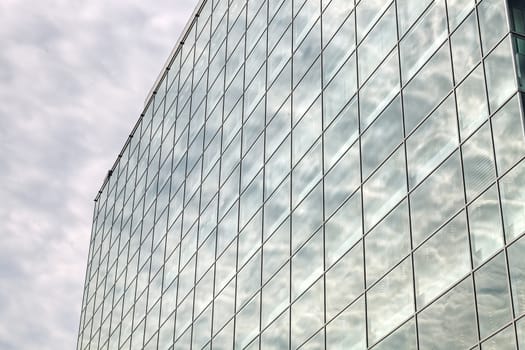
(73, 79)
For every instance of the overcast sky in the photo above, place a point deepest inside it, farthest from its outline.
(73, 79)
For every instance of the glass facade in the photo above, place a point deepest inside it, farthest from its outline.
(321, 174)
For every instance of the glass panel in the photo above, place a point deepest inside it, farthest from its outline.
(384, 189)
(307, 314)
(408, 11)
(466, 51)
(276, 250)
(342, 180)
(340, 134)
(517, 276)
(339, 47)
(500, 75)
(478, 162)
(368, 12)
(492, 22)
(306, 173)
(306, 91)
(521, 332)
(423, 39)
(442, 260)
(403, 338)
(512, 188)
(344, 281)
(377, 43)
(504, 340)
(276, 295)
(387, 243)
(509, 140)
(458, 10)
(276, 336)
(337, 12)
(347, 331)
(441, 194)
(307, 217)
(492, 291)
(306, 132)
(382, 86)
(390, 301)
(432, 142)
(485, 226)
(420, 97)
(472, 103)
(340, 90)
(380, 139)
(450, 323)
(343, 229)
(307, 264)
(247, 323)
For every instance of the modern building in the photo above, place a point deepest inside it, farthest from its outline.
(321, 174)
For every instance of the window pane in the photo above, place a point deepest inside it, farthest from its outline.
(344, 281)
(387, 243)
(504, 340)
(466, 52)
(347, 331)
(367, 14)
(450, 323)
(485, 226)
(343, 229)
(408, 12)
(492, 22)
(342, 180)
(403, 338)
(478, 162)
(442, 260)
(432, 142)
(339, 47)
(423, 39)
(500, 74)
(341, 133)
(308, 314)
(517, 275)
(276, 337)
(340, 90)
(377, 43)
(512, 188)
(437, 199)
(492, 293)
(420, 97)
(307, 217)
(472, 103)
(509, 140)
(307, 264)
(384, 189)
(379, 90)
(380, 139)
(521, 332)
(457, 10)
(390, 302)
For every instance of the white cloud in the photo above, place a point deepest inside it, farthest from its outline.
(72, 84)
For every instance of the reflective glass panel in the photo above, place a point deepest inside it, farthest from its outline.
(390, 301)
(442, 260)
(450, 322)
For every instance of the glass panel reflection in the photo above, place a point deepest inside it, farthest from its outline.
(517, 276)
(485, 226)
(442, 260)
(492, 292)
(504, 340)
(512, 188)
(390, 301)
(450, 322)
